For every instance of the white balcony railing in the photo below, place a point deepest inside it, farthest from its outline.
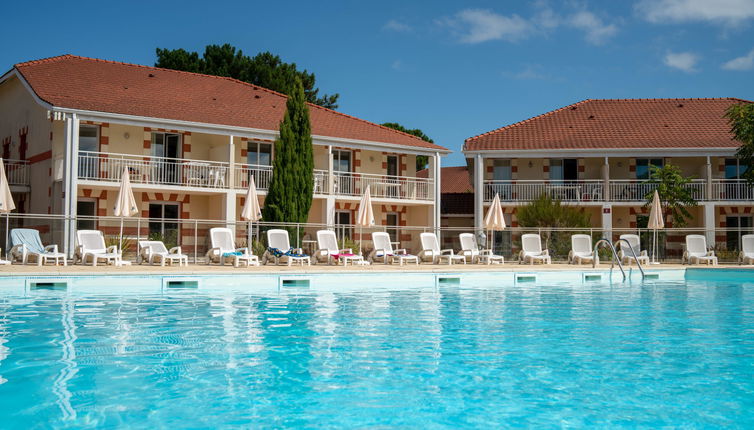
(731, 189)
(382, 186)
(634, 190)
(580, 190)
(98, 166)
(262, 176)
(17, 172)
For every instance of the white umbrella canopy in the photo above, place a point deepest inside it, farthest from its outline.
(125, 204)
(655, 222)
(251, 210)
(365, 215)
(6, 199)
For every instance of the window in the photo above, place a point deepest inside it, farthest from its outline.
(86, 209)
(392, 165)
(737, 225)
(643, 166)
(501, 170)
(166, 145)
(393, 225)
(733, 169)
(160, 225)
(88, 144)
(343, 227)
(566, 169)
(259, 153)
(341, 161)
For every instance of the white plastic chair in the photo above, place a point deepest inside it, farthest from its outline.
(747, 249)
(27, 245)
(153, 251)
(626, 253)
(431, 251)
(91, 246)
(531, 250)
(696, 251)
(383, 250)
(327, 244)
(470, 250)
(278, 239)
(224, 248)
(581, 250)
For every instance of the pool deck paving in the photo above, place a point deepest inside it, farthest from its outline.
(203, 269)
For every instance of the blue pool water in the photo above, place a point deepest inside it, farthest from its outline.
(662, 353)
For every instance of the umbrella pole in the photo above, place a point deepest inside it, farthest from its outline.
(7, 223)
(120, 242)
(248, 237)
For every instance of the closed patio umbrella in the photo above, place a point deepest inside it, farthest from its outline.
(655, 221)
(365, 215)
(494, 220)
(251, 210)
(125, 204)
(6, 199)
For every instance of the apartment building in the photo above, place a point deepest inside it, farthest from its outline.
(70, 125)
(596, 155)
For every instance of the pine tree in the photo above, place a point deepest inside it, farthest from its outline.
(289, 197)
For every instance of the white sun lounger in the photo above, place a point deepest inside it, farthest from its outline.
(154, 251)
(328, 250)
(470, 250)
(91, 248)
(384, 252)
(27, 247)
(747, 249)
(431, 251)
(626, 253)
(278, 239)
(224, 249)
(696, 251)
(531, 250)
(581, 250)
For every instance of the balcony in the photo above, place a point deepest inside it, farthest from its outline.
(635, 190)
(98, 166)
(262, 176)
(731, 190)
(381, 186)
(17, 172)
(567, 191)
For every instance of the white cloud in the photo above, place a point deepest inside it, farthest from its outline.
(397, 65)
(685, 61)
(395, 25)
(480, 25)
(721, 11)
(597, 32)
(740, 64)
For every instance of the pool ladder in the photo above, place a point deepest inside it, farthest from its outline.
(615, 257)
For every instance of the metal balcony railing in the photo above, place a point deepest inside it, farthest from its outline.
(731, 189)
(382, 186)
(17, 172)
(635, 190)
(571, 191)
(262, 176)
(99, 166)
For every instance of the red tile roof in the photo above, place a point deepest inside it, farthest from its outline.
(618, 124)
(453, 179)
(106, 86)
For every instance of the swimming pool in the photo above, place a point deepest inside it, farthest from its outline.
(554, 351)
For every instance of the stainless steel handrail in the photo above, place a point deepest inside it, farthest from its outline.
(633, 254)
(614, 259)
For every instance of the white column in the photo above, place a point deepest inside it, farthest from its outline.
(607, 221)
(709, 221)
(708, 177)
(70, 181)
(230, 192)
(606, 180)
(436, 182)
(478, 191)
(330, 173)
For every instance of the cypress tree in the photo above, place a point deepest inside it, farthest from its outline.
(289, 196)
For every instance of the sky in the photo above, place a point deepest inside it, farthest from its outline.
(452, 69)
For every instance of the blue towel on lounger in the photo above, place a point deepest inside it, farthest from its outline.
(232, 254)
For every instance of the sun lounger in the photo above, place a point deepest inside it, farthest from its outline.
(470, 250)
(626, 253)
(154, 251)
(328, 250)
(697, 252)
(224, 249)
(279, 249)
(581, 250)
(431, 251)
(27, 247)
(383, 251)
(531, 250)
(91, 248)
(747, 249)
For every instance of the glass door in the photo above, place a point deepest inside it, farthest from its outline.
(343, 228)
(88, 152)
(168, 147)
(392, 184)
(85, 212)
(163, 223)
(342, 164)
